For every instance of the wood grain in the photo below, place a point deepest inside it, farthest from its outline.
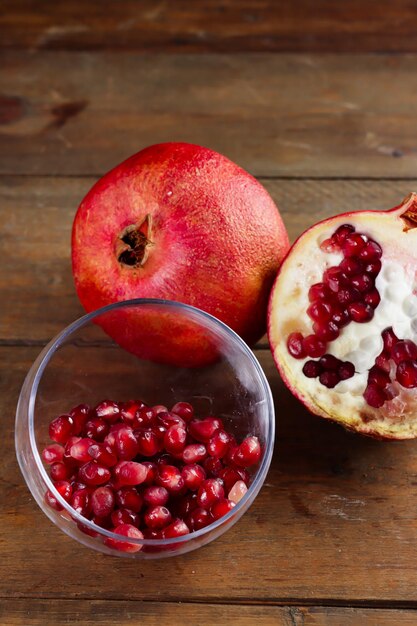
(276, 115)
(38, 297)
(207, 25)
(102, 613)
(334, 520)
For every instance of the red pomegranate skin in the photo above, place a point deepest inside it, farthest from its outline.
(212, 238)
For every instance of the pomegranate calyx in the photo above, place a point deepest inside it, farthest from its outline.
(409, 216)
(133, 244)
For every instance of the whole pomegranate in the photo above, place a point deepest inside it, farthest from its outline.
(343, 320)
(179, 222)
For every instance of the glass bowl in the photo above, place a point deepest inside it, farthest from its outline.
(84, 365)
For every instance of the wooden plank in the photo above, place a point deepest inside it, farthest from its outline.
(37, 293)
(207, 25)
(277, 115)
(333, 521)
(29, 612)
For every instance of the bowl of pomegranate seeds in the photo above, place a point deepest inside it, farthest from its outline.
(145, 453)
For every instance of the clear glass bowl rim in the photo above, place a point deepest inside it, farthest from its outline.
(204, 318)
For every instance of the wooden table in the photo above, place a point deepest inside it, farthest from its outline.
(318, 100)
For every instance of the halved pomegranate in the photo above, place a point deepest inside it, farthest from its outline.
(343, 320)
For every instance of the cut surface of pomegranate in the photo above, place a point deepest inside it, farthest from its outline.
(342, 320)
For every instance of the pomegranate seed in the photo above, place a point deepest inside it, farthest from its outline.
(170, 477)
(382, 360)
(102, 454)
(157, 517)
(92, 473)
(181, 506)
(104, 522)
(166, 459)
(152, 533)
(329, 245)
(51, 501)
(295, 345)
(86, 530)
(372, 298)
(342, 232)
(389, 338)
(148, 443)
(325, 332)
(248, 453)
(219, 444)
(354, 244)
(230, 475)
(203, 430)
(177, 528)
(102, 501)
(362, 282)
(378, 377)
(346, 370)
(130, 473)
(329, 379)
(108, 410)
(80, 450)
(127, 530)
(156, 496)
(184, 410)
(145, 417)
(373, 268)
(64, 489)
(129, 498)
(194, 453)
(371, 252)
(59, 471)
(312, 369)
(320, 311)
(126, 446)
(151, 469)
(237, 491)
(212, 466)
(351, 266)
(334, 278)
(81, 501)
(374, 396)
(96, 428)
(175, 438)
(199, 518)
(407, 374)
(360, 312)
(209, 491)
(52, 453)
(166, 420)
(348, 295)
(319, 291)
(61, 429)
(329, 362)
(340, 316)
(79, 416)
(193, 475)
(128, 411)
(221, 507)
(125, 516)
(313, 346)
(405, 350)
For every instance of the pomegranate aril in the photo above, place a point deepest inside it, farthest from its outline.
(79, 416)
(128, 412)
(313, 346)
(362, 282)
(148, 443)
(406, 374)
(194, 453)
(404, 350)
(212, 466)
(389, 338)
(126, 446)
(59, 471)
(129, 498)
(209, 491)
(170, 477)
(335, 278)
(156, 496)
(52, 501)
(182, 505)
(237, 491)
(221, 507)
(218, 444)
(124, 516)
(145, 417)
(312, 369)
(81, 501)
(151, 471)
(319, 291)
(152, 533)
(295, 345)
(203, 430)
(108, 410)
(96, 428)
(102, 501)
(193, 475)
(52, 453)
(371, 252)
(175, 438)
(324, 332)
(340, 316)
(375, 396)
(129, 531)
(92, 473)
(348, 295)
(351, 266)
(320, 311)
(103, 522)
(157, 517)
(64, 489)
(130, 473)
(329, 379)
(360, 312)
(184, 410)
(80, 450)
(166, 459)
(248, 453)
(382, 361)
(199, 518)
(329, 362)
(342, 232)
(61, 429)
(102, 454)
(329, 245)
(346, 370)
(354, 244)
(230, 475)
(378, 377)
(373, 268)
(177, 528)
(372, 298)
(166, 420)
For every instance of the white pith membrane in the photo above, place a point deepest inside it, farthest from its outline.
(359, 343)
